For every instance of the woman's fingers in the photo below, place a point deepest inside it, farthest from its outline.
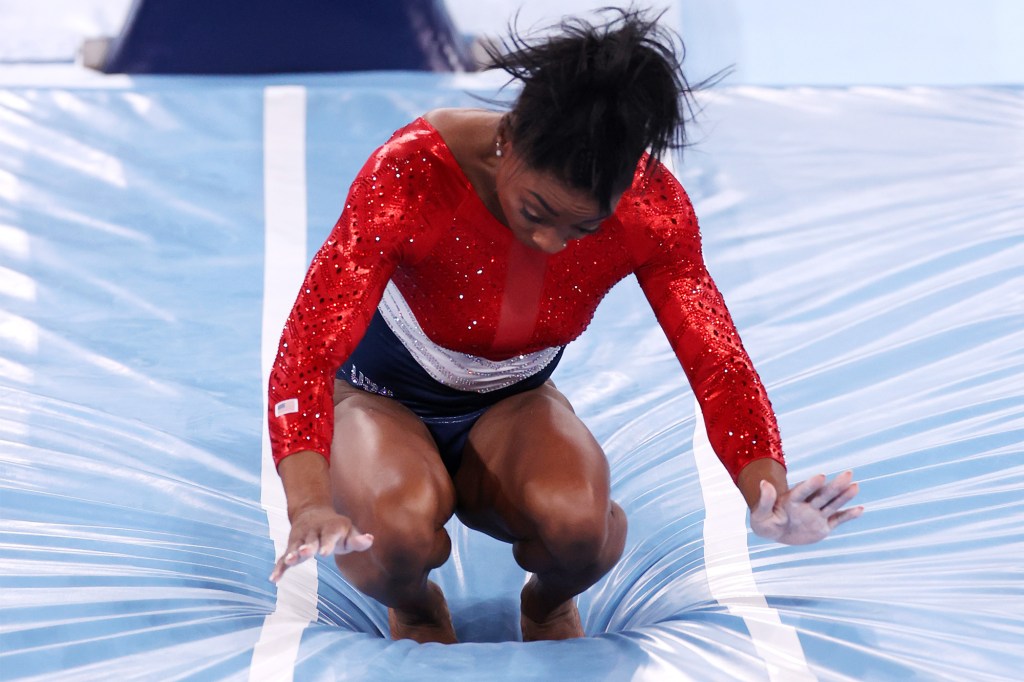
(844, 496)
(307, 550)
(822, 494)
(344, 538)
(275, 575)
(320, 531)
(829, 491)
(355, 542)
(805, 490)
(844, 516)
(283, 564)
(291, 557)
(309, 546)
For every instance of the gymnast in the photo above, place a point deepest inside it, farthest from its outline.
(412, 380)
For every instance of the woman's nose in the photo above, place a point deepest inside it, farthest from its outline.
(548, 239)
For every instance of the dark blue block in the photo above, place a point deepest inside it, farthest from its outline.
(286, 36)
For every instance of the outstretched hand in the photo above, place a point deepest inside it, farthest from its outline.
(320, 530)
(808, 512)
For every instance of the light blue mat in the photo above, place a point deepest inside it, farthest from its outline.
(870, 243)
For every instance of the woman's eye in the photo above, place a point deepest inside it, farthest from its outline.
(532, 218)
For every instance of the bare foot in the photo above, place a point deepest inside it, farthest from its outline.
(435, 627)
(562, 622)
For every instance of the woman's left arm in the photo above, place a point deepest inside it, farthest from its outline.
(740, 421)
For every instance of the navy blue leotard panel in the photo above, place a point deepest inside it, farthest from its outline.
(381, 364)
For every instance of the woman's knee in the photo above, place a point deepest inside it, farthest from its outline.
(405, 554)
(388, 478)
(409, 541)
(580, 529)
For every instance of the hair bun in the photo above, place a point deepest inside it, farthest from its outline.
(596, 96)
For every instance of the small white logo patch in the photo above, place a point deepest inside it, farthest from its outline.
(286, 407)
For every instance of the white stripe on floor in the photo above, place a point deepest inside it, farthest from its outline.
(284, 177)
(729, 573)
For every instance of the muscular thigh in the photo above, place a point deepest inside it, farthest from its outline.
(529, 455)
(384, 463)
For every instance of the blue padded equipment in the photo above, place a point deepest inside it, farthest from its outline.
(868, 241)
(286, 36)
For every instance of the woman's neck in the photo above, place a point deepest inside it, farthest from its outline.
(471, 136)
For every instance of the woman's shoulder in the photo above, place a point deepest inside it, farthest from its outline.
(655, 190)
(418, 138)
(452, 138)
(419, 154)
(469, 135)
(463, 129)
(658, 216)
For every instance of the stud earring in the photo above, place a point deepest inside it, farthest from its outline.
(497, 148)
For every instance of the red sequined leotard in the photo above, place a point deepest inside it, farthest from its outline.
(413, 217)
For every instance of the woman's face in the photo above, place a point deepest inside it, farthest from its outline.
(543, 212)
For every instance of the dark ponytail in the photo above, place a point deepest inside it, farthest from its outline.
(595, 97)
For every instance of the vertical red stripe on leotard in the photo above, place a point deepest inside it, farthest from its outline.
(524, 283)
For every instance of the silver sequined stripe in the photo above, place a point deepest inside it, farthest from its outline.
(451, 368)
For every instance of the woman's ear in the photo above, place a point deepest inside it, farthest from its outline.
(505, 129)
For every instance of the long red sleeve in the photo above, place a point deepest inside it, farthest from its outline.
(393, 211)
(740, 421)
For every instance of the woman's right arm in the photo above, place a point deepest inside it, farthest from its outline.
(386, 219)
(337, 299)
(316, 527)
